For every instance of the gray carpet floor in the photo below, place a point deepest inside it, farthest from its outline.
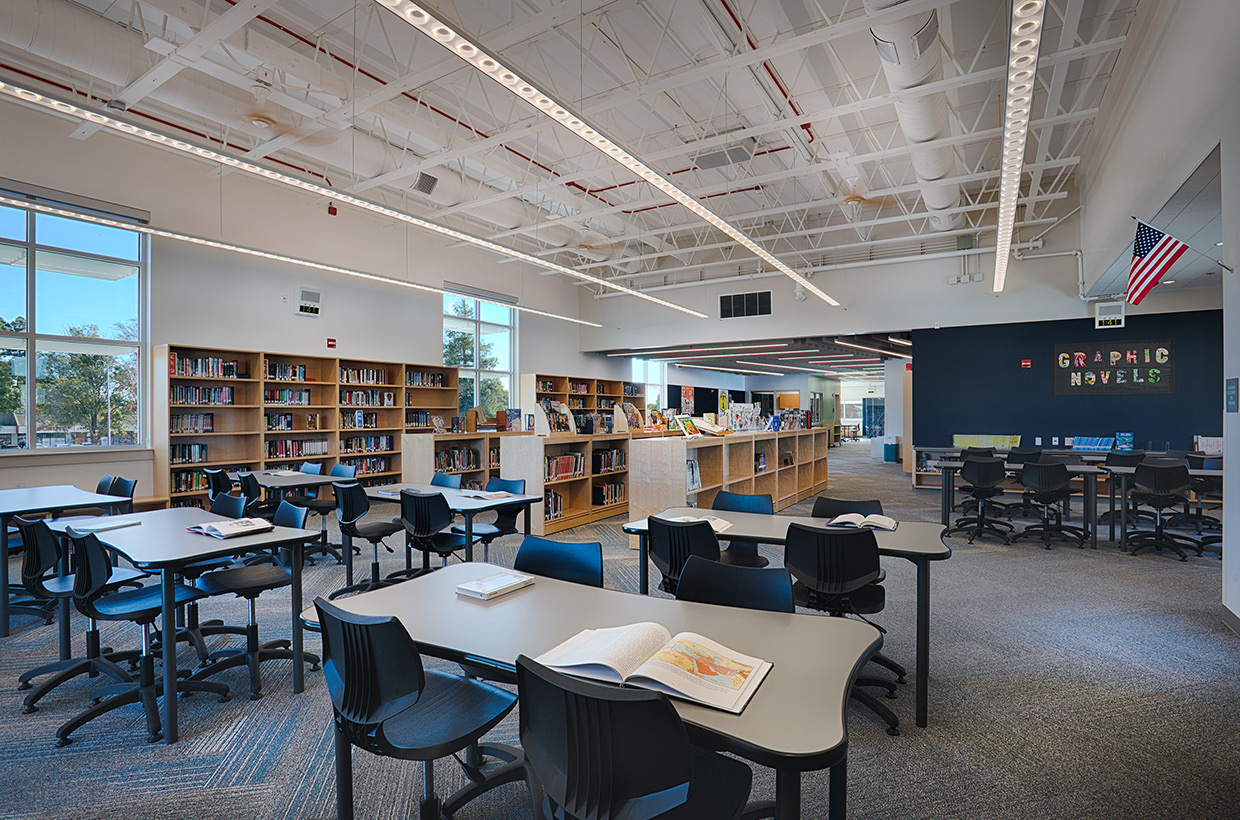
(1064, 684)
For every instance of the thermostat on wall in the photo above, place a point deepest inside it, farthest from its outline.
(309, 301)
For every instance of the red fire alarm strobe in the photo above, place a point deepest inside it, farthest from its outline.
(331, 344)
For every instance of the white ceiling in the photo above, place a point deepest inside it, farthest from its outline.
(349, 91)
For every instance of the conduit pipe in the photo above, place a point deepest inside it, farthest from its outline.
(1080, 266)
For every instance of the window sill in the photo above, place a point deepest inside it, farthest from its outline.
(72, 455)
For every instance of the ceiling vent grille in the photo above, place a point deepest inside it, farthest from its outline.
(736, 305)
(729, 155)
(424, 184)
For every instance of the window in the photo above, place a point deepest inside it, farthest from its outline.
(654, 376)
(70, 325)
(478, 339)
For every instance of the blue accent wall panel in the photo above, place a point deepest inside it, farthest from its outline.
(969, 380)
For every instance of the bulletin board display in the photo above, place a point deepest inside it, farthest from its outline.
(1113, 368)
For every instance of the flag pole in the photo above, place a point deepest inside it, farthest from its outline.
(1220, 263)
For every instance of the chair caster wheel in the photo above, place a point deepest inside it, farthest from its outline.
(893, 731)
(154, 738)
(901, 680)
(61, 742)
(256, 695)
(95, 701)
(314, 667)
(224, 699)
(891, 696)
(29, 710)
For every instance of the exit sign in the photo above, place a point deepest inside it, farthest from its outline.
(1026, 363)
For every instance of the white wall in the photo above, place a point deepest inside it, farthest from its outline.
(893, 392)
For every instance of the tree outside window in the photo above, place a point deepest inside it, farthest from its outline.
(477, 339)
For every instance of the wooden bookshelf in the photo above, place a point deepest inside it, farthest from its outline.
(582, 395)
(596, 487)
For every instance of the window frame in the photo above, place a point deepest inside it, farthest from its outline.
(36, 342)
(476, 371)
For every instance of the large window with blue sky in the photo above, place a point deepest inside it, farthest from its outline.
(70, 331)
(478, 341)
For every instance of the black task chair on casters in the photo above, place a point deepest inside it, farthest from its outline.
(256, 506)
(966, 453)
(322, 502)
(1022, 456)
(426, 518)
(387, 704)
(835, 572)
(743, 553)
(672, 542)
(351, 506)
(1160, 484)
(1125, 458)
(94, 598)
(1049, 486)
(1202, 487)
(624, 755)
(40, 576)
(506, 516)
(218, 483)
(984, 475)
(249, 582)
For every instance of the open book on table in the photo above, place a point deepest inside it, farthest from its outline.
(716, 524)
(235, 527)
(873, 521)
(486, 494)
(686, 665)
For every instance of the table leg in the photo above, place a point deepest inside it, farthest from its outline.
(945, 478)
(469, 536)
(643, 570)
(167, 581)
(923, 643)
(346, 549)
(528, 507)
(1123, 516)
(62, 610)
(1091, 508)
(4, 575)
(837, 794)
(296, 552)
(788, 795)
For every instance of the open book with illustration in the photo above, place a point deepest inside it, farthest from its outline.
(716, 524)
(872, 521)
(686, 665)
(229, 529)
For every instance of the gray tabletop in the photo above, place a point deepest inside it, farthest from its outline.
(55, 497)
(796, 719)
(1195, 473)
(1073, 469)
(459, 500)
(289, 482)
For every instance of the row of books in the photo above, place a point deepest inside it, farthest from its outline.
(579, 387)
(283, 422)
(297, 447)
(187, 453)
(350, 421)
(192, 423)
(416, 379)
(290, 398)
(457, 459)
(278, 371)
(576, 404)
(493, 458)
(193, 394)
(553, 505)
(569, 465)
(363, 375)
(612, 493)
(630, 390)
(545, 386)
(367, 464)
(367, 398)
(609, 461)
(471, 484)
(417, 418)
(606, 404)
(186, 502)
(204, 367)
(188, 481)
(367, 444)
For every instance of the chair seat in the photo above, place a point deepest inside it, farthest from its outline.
(322, 506)
(481, 528)
(246, 582)
(141, 605)
(447, 717)
(375, 530)
(743, 554)
(63, 587)
(1156, 500)
(867, 600)
(194, 570)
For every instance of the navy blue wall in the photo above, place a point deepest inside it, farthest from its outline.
(969, 380)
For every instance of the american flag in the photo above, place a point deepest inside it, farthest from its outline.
(1153, 254)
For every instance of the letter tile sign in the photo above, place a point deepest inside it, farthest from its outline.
(1114, 368)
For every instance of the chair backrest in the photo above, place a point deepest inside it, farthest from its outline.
(373, 671)
(982, 472)
(446, 480)
(344, 471)
(290, 515)
(424, 514)
(351, 502)
(506, 516)
(123, 487)
(495, 484)
(218, 483)
(311, 468)
(672, 542)
(579, 563)
(1045, 476)
(251, 490)
(977, 452)
(104, 487)
(1023, 455)
(1178, 455)
(92, 569)
(1125, 458)
(229, 506)
(832, 561)
(601, 752)
(831, 507)
(741, 502)
(713, 582)
(41, 555)
(1162, 476)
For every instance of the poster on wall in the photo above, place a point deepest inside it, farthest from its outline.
(686, 401)
(1114, 368)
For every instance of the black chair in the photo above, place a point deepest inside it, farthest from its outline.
(449, 480)
(108, 485)
(40, 576)
(321, 503)
(249, 582)
(598, 752)
(1202, 487)
(427, 519)
(1160, 483)
(1049, 486)
(984, 475)
(831, 507)
(94, 597)
(580, 563)
(218, 483)
(351, 505)
(713, 582)
(506, 516)
(672, 542)
(229, 506)
(835, 571)
(387, 704)
(966, 453)
(256, 506)
(1019, 455)
(743, 553)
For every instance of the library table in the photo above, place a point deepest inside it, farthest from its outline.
(915, 541)
(272, 480)
(160, 543)
(53, 499)
(1125, 473)
(1088, 471)
(794, 723)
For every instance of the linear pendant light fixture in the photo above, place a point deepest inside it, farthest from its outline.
(450, 37)
(727, 369)
(44, 208)
(649, 353)
(1024, 37)
(108, 121)
(873, 349)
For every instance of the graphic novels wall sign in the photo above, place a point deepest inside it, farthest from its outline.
(1114, 368)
